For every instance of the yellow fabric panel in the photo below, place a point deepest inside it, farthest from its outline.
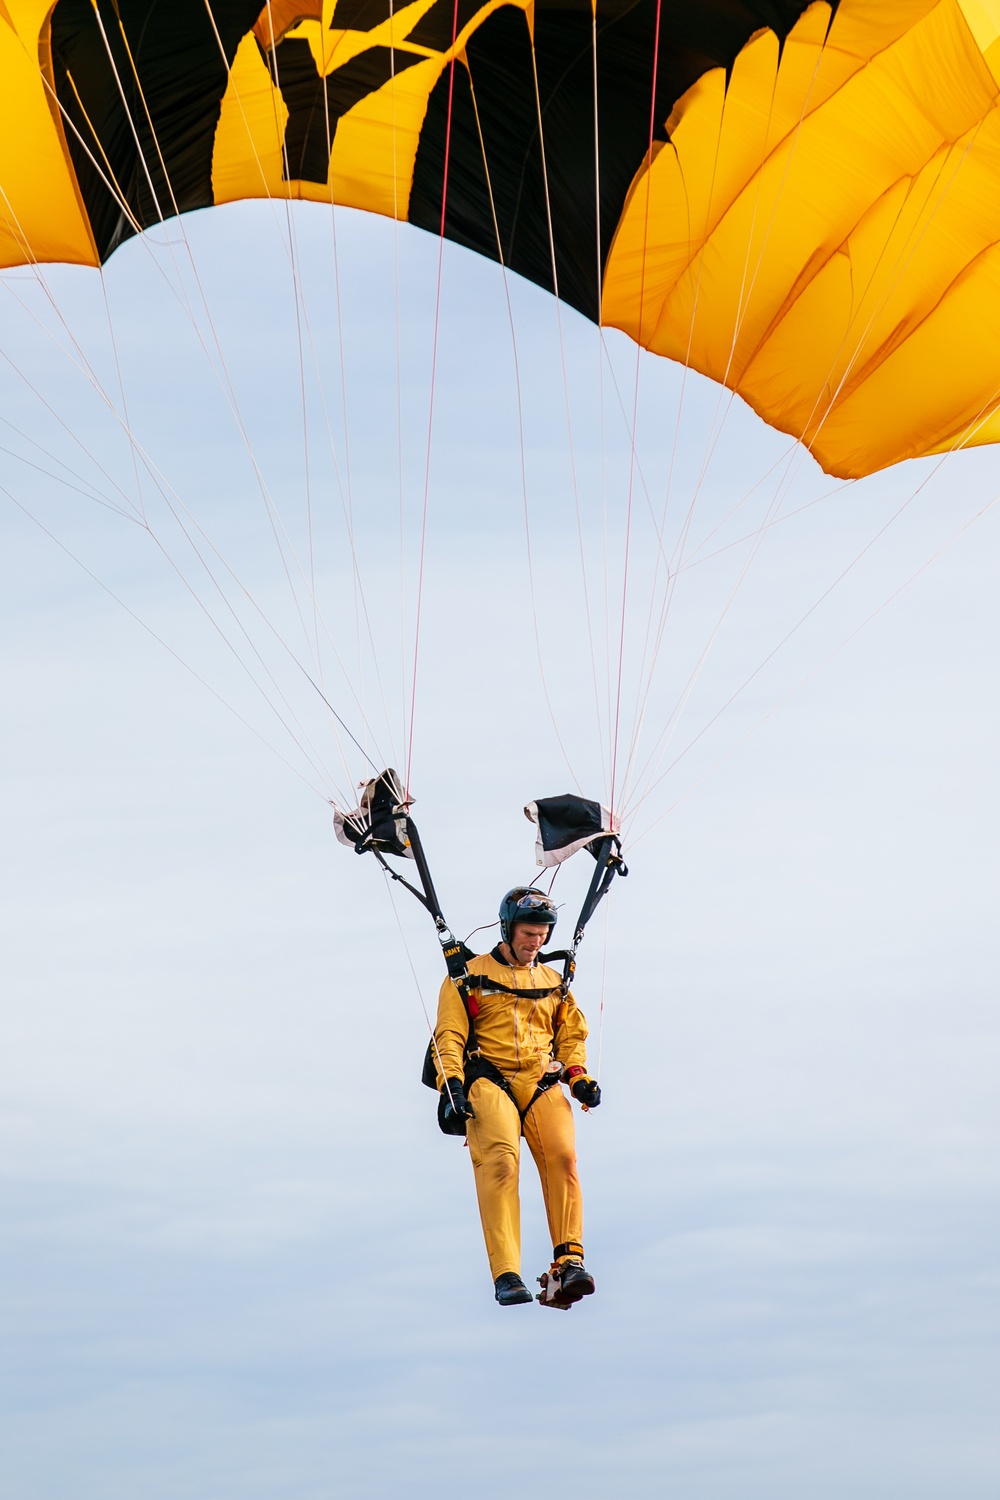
(805, 222)
(41, 216)
(983, 18)
(935, 389)
(246, 162)
(719, 138)
(376, 142)
(866, 305)
(983, 430)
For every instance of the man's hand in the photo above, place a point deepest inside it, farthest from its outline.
(587, 1090)
(455, 1103)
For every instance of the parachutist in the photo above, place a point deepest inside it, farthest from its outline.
(505, 1059)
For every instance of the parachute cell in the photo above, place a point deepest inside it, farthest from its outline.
(799, 201)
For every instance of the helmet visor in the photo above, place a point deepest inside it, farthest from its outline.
(533, 904)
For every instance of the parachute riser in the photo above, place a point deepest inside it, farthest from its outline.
(609, 863)
(420, 895)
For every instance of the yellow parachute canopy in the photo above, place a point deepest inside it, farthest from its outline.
(800, 201)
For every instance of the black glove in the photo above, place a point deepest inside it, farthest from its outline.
(456, 1109)
(588, 1091)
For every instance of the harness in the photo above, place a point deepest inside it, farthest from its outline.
(477, 1066)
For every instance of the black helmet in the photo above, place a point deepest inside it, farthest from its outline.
(525, 904)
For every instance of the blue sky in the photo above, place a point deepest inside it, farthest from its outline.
(239, 1260)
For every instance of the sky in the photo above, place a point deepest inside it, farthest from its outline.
(239, 1260)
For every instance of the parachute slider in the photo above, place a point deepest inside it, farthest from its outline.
(566, 824)
(379, 822)
(381, 825)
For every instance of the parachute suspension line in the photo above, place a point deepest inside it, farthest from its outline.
(161, 642)
(121, 395)
(521, 445)
(399, 370)
(892, 283)
(814, 672)
(228, 388)
(605, 731)
(604, 985)
(116, 192)
(128, 113)
(88, 493)
(225, 380)
(298, 298)
(782, 487)
(746, 291)
(984, 413)
(291, 252)
(386, 875)
(660, 527)
(743, 302)
(569, 427)
(106, 172)
(316, 759)
(302, 317)
(430, 399)
(132, 513)
(635, 417)
(77, 359)
(789, 475)
(90, 375)
(165, 491)
(82, 364)
(694, 561)
(306, 472)
(723, 407)
(347, 500)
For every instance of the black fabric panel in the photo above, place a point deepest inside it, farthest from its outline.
(307, 147)
(694, 37)
(437, 27)
(563, 820)
(183, 78)
(363, 15)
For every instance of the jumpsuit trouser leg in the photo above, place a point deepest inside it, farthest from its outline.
(494, 1138)
(550, 1131)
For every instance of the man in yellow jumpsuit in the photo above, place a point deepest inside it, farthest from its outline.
(529, 1038)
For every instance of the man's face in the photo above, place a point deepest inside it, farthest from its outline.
(526, 940)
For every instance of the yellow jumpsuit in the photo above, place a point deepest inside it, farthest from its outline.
(520, 1037)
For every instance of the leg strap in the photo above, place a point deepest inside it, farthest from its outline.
(547, 1082)
(571, 1247)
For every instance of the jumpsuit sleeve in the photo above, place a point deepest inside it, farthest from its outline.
(570, 1036)
(450, 1034)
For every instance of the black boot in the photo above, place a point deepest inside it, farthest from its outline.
(510, 1290)
(575, 1281)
